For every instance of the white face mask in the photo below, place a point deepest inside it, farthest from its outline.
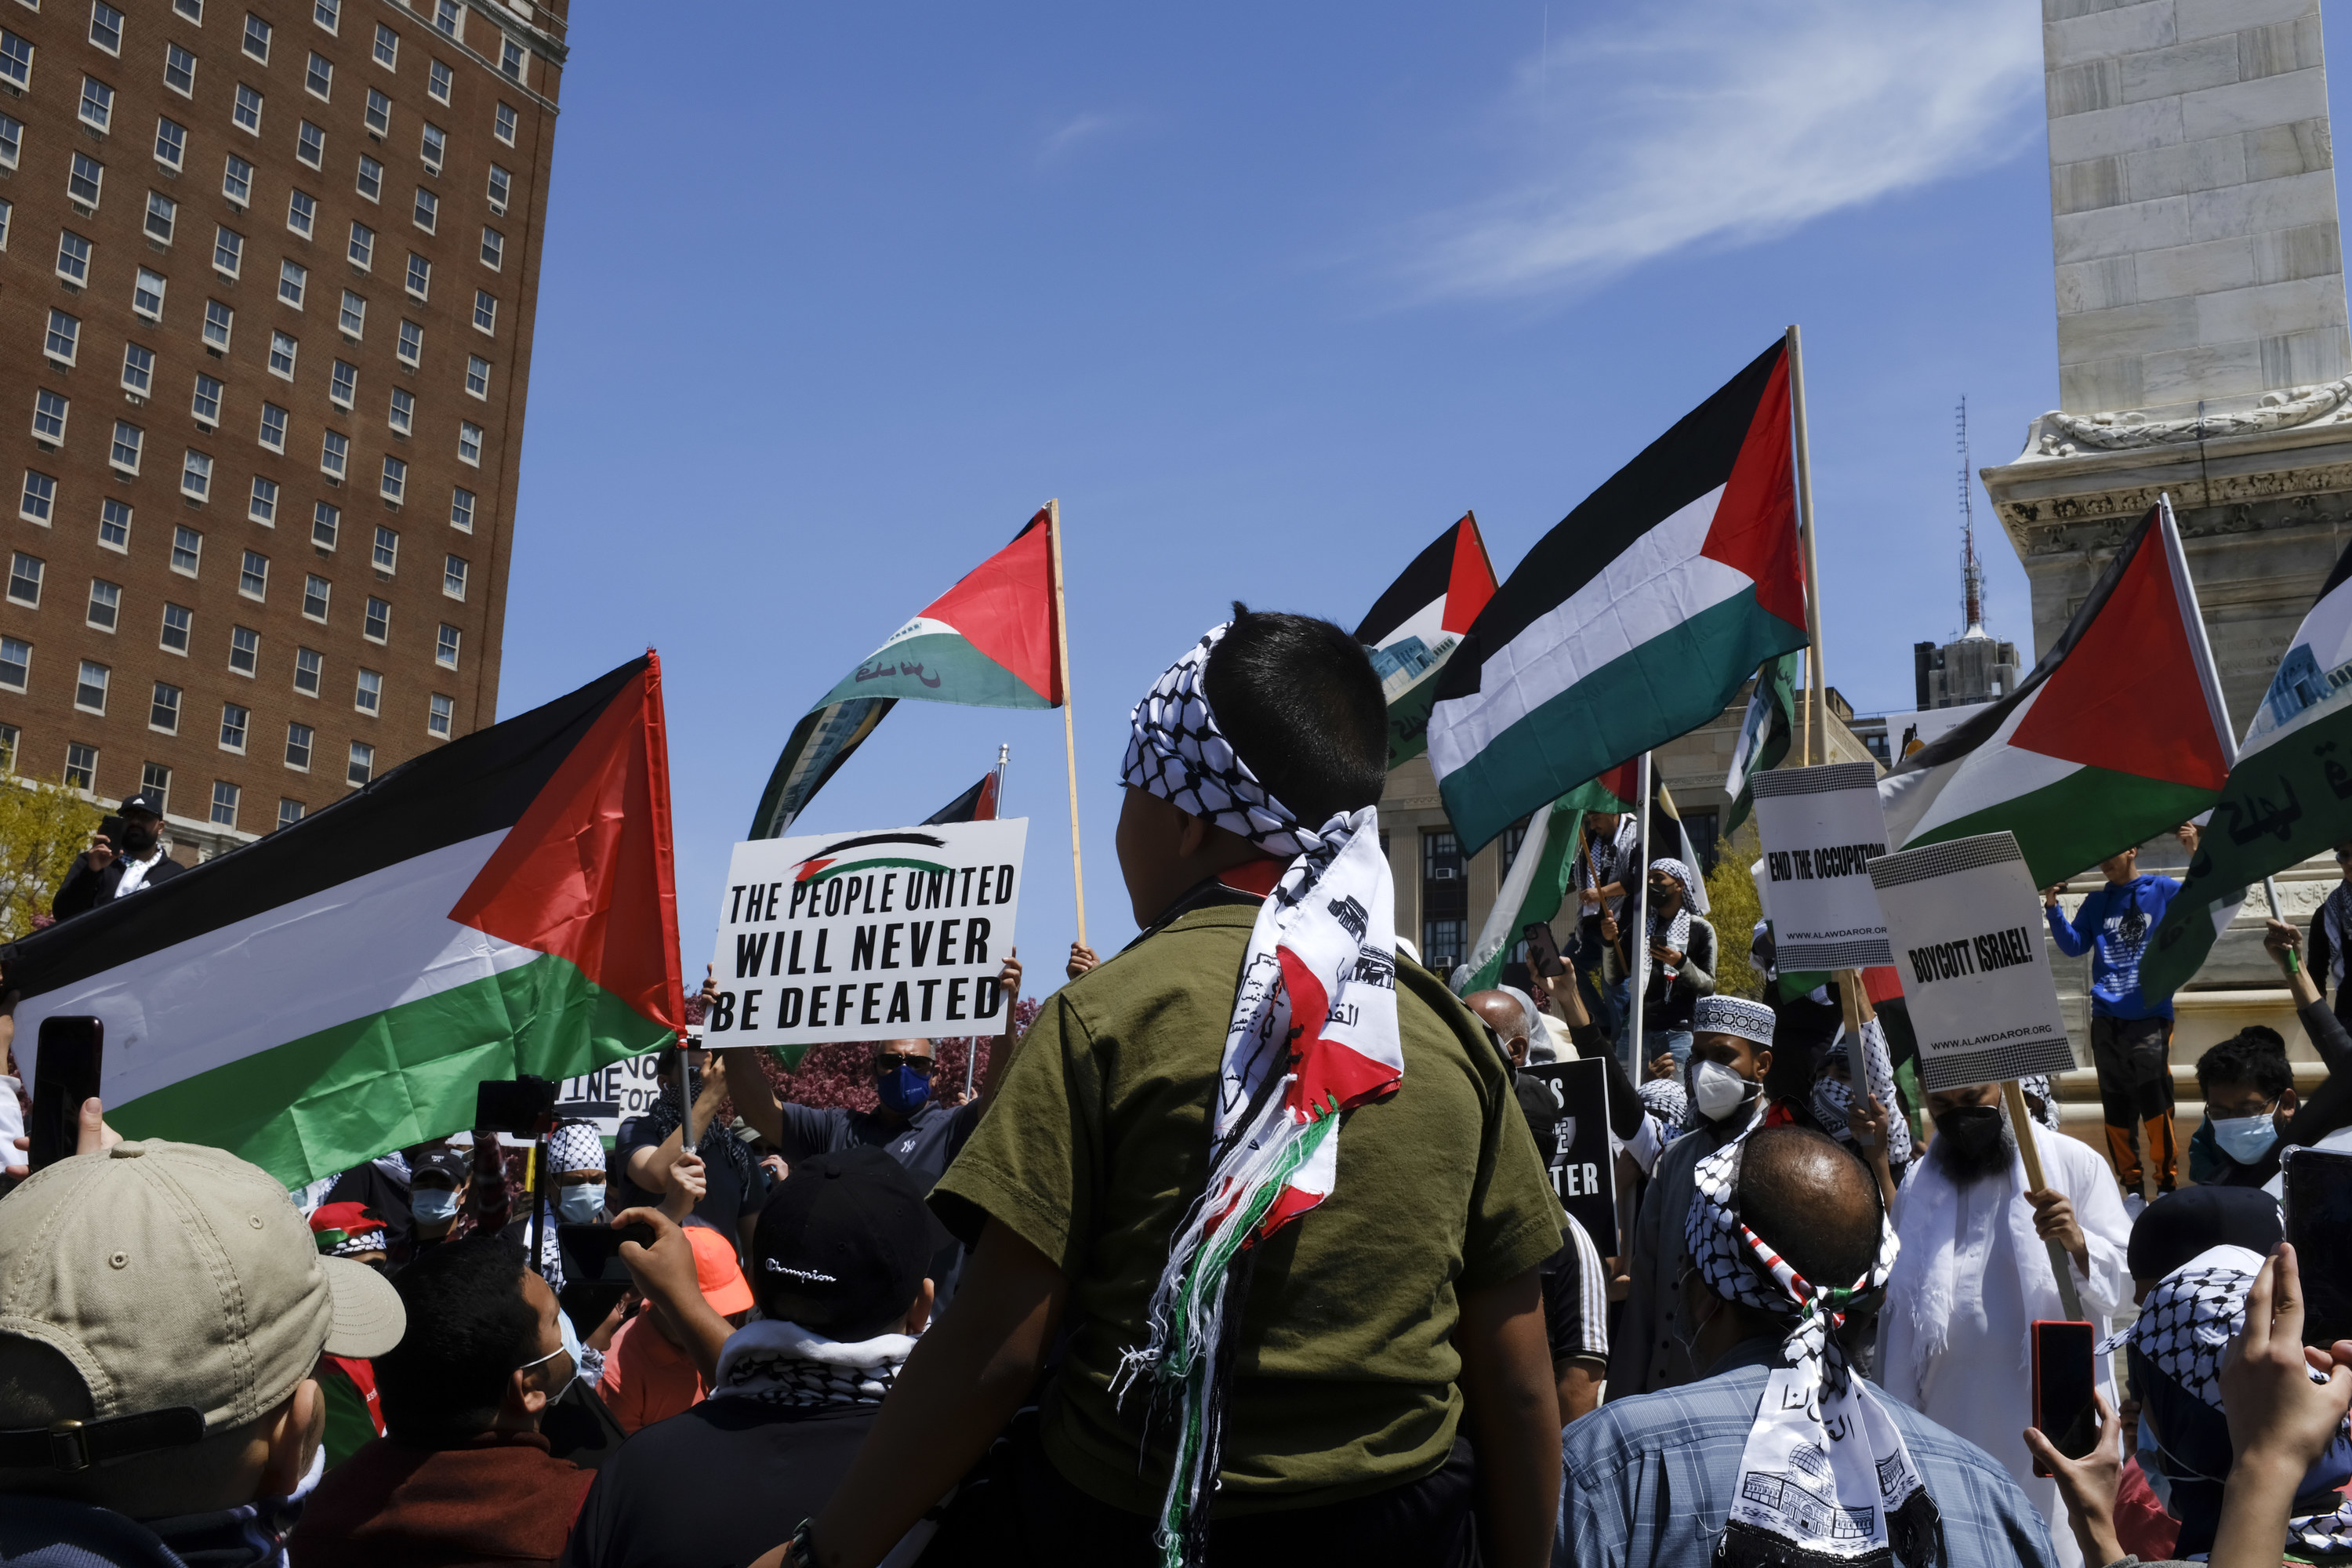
(1716, 1091)
(571, 1350)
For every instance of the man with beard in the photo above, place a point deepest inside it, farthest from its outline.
(109, 869)
(1974, 1274)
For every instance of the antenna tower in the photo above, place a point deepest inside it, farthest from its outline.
(1971, 569)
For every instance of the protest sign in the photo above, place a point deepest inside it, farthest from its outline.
(1576, 1145)
(866, 936)
(1822, 829)
(611, 1095)
(1967, 926)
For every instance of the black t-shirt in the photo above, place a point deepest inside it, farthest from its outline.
(727, 1201)
(926, 1144)
(716, 1486)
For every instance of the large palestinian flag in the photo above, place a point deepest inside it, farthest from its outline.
(502, 905)
(1636, 619)
(2289, 796)
(1414, 627)
(2116, 736)
(988, 642)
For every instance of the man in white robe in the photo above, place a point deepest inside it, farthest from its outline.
(1974, 1274)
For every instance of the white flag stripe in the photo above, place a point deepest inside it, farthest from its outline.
(349, 952)
(1920, 802)
(1658, 583)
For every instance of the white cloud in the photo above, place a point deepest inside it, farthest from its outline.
(1078, 132)
(1723, 123)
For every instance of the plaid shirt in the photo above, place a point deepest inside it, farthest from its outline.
(1649, 1477)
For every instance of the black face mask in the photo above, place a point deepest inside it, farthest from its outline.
(137, 840)
(1974, 1130)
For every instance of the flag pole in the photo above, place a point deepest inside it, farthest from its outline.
(1813, 571)
(2060, 1264)
(1637, 944)
(1069, 729)
(1003, 756)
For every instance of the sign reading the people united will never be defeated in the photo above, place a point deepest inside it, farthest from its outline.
(872, 936)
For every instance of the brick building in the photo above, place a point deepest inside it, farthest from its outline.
(268, 271)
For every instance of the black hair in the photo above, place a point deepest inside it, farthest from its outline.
(1299, 702)
(2246, 1058)
(469, 1328)
(1812, 1201)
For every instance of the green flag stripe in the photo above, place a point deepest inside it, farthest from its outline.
(2067, 827)
(938, 667)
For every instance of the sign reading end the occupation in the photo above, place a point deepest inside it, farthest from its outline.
(867, 936)
(1822, 829)
(1967, 931)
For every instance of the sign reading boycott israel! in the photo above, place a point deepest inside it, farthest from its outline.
(866, 936)
(1822, 829)
(1967, 926)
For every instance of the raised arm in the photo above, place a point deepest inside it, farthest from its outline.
(2070, 941)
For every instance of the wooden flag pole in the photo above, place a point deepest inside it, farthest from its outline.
(1815, 699)
(2061, 1265)
(1069, 729)
(1637, 907)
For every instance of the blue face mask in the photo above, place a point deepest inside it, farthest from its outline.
(433, 1204)
(902, 1089)
(580, 1204)
(2151, 1467)
(2245, 1139)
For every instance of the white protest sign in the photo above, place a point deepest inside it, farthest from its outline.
(1822, 828)
(1967, 932)
(612, 1094)
(866, 936)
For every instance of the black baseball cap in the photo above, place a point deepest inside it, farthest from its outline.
(143, 801)
(844, 1244)
(2184, 1225)
(441, 1163)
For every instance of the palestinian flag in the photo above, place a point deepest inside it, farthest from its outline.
(988, 642)
(2289, 794)
(977, 804)
(2117, 735)
(1540, 874)
(1416, 625)
(502, 905)
(1765, 731)
(1634, 620)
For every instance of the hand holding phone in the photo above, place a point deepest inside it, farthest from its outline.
(1543, 950)
(2065, 1387)
(594, 1251)
(2318, 1187)
(65, 1074)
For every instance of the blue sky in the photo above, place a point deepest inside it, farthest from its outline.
(835, 297)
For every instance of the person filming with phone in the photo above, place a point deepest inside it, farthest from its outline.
(125, 855)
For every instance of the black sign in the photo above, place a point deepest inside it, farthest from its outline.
(1576, 1145)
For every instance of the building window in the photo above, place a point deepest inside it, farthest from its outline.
(370, 180)
(25, 579)
(494, 248)
(9, 735)
(311, 145)
(228, 251)
(320, 79)
(84, 179)
(147, 295)
(432, 147)
(315, 592)
(328, 14)
(163, 709)
(64, 338)
(501, 188)
(1508, 846)
(187, 550)
(426, 213)
(105, 607)
(461, 510)
(12, 141)
(363, 251)
(263, 506)
(283, 347)
(38, 498)
(253, 575)
(363, 766)
(90, 686)
(81, 767)
(171, 144)
(197, 475)
(453, 577)
(301, 211)
(369, 698)
(378, 112)
(309, 664)
(403, 415)
(105, 28)
(1444, 903)
(512, 58)
(236, 181)
(16, 663)
(448, 18)
(138, 369)
(411, 348)
(114, 524)
(247, 109)
(16, 60)
(289, 811)
(234, 722)
(205, 403)
(257, 38)
(155, 779)
(379, 621)
(49, 412)
(163, 215)
(354, 317)
(244, 649)
(438, 81)
(179, 623)
(73, 259)
(388, 549)
(441, 718)
(298, 748)
(7, 210)
(486, 311)
(505, 127)
(292, 281)
(445, 648)
(224, 804)
(273, 427)
(97, 103)
(420, 276)
(344, 384)
(124, 451)
(394, 483)
(334, 454)
(325, 522)
(179, 71)
(387, 48)
(477, 375)
(470, 443)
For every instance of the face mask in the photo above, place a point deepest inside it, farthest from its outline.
(2151, 1467)
(433, 1205)
(1715, 1091)
(571, 1349)
(1973, 1129)
(2245, 1139)
(1832, 1100)
(902, 1089)
(580, 1204)
(137, 841)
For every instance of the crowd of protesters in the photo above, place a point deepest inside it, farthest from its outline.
(1023, 1323)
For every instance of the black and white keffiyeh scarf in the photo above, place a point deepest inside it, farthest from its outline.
(1824, 1478)
(784, 1364)
(1313, 1033)
(1834, 1100)
(1670, 931)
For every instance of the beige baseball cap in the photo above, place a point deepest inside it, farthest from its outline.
(174, 1274)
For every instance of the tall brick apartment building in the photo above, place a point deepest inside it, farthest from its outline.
(267, 270)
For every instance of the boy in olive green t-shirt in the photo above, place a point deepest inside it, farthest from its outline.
(1389, 1301)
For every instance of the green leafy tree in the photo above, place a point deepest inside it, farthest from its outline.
(42, 829)
(1731, 894)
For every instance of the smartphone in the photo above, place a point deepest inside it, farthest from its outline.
(111, 826)
(2065, 1377)
(594, 1251)
(1543, 950)
(2319, 1223)
(523, 1106)
(65, 1074)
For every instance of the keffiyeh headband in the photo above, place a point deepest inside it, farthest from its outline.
(1825, 1475)
(575, 1146)
(1313, 1033)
